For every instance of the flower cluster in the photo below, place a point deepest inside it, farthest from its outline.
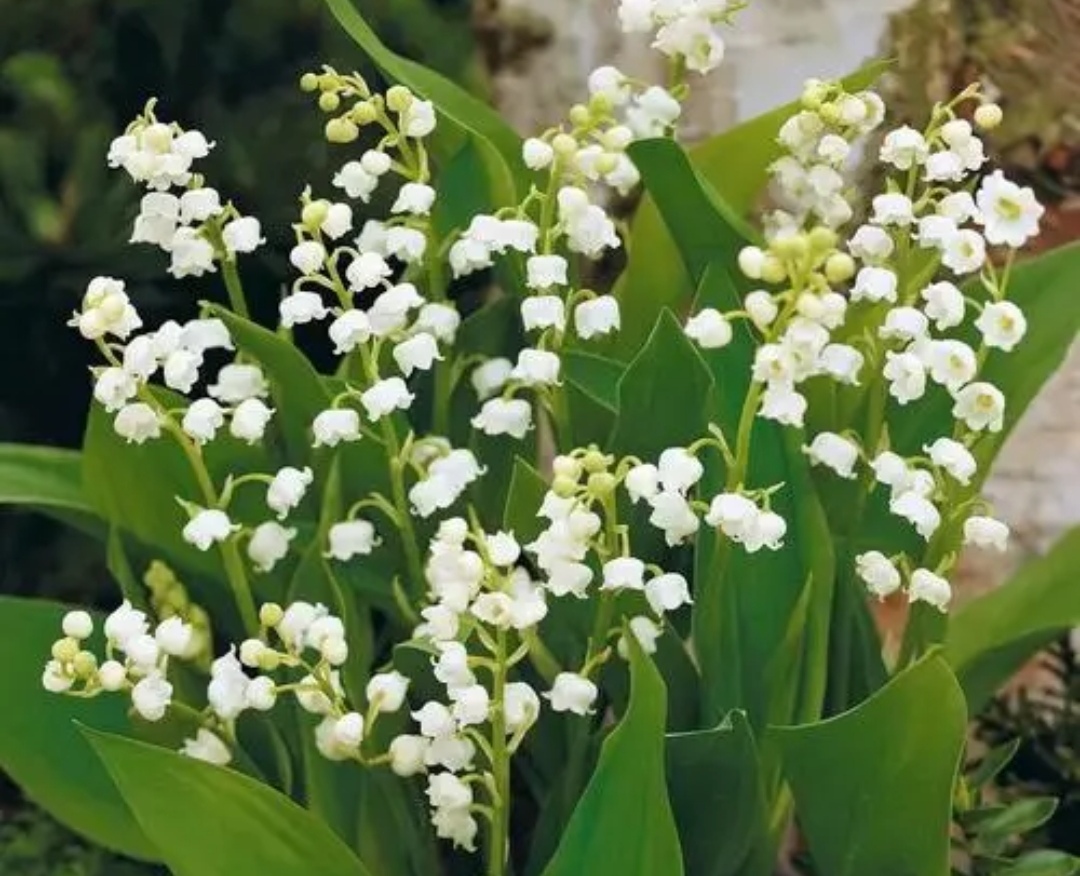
(685, 30)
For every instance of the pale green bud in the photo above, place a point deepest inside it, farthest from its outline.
(270, 614)
(341, 131)
(564, 487)
(309, 82)
(839, 268)
(564, 145)
(580, 115)
(329, 101)
(773, 270)
(85, 664)
(399, 98)
(314, 214)
(602, 483)
(66, 649)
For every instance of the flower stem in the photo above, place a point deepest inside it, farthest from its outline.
(234, 287)
(498, 852)
(409, 540)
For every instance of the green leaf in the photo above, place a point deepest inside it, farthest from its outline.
(592, 388)
(992, 763)
(210, 821)
(299, 393)
(623, 824)
(1019, 818)
(715, 784)
(873, 787)
(993, 636)
(1043, 863)
(526, 493)
(667, 387)
(40, 747)
(497, 143)
(47, 479)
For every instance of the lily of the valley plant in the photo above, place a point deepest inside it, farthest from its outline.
(540, 571)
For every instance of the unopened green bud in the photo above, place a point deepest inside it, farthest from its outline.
(567, 467)
(399, 98)
(839, 268)
(269, 660)
(791, 247)
(65, 649)
(270, 614)
(773, 270)
(564, 487)
(602, 483)
(600, 105)
(580, 115)
(364, 113)
(314, 214)
(595, 461)
(564, 145)
(329, 101)
(606, 163)
(831, 114)
(309, 82)
(341, 131)
(823, 239)
(85, 664)
(989, 116)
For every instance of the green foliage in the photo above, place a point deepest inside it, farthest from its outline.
(623, 824)
(879, 772)
(206, 821)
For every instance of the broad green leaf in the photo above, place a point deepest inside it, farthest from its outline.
(210, 821)
(298, 391)
(499, 146)
(42, 750)
(714, 779)
(665, 396)
(45, 477)
(1018, 818)
(873, 787)
(523, 499)
(993, 636)
(623, 824)
(591, 385)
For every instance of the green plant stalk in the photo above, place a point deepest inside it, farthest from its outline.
(498, 851)
(235, 288)
(401, 503)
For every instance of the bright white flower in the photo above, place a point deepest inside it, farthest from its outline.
(891, 469)
(986, 532)
(366, 271)
(435, 720)
(694, 38)
(945, 166)
(965, 253)
(944, 305)
(929, 588)
(77, 625)
(752, 262)
(761, 307)
(904, 148)
(572, 693)
(710, 329)
(144, 652)
(878, 572)
(106, 309)
(137, 422)
(408, 755)
(332, 427)
(112, 675)
(653, 113)
(624, 573)
(958, 206)
(114, 387)
(385, 397)
(874, 285)
(208, 526)
(935, 232)
(842, 363)
(416, 199)
(249, 420)
(386, 692)
(151, 697)
(834, 149)
(338, 221)
(287, 489)
(521, 707)
(300, 308)
(55, 679)
(1009, 214)
(242, 235)
(672, 513)
(140, 360)
(668, 592)
(545, 271)
(269, 545)
(124, 625)
(500, 416)
(780, 402)
(872, 244)
(919, 511)
(503, 549)
(471, 705)
(646, 631)
(418, 119)
(734, 514)
(643, 482)
(468, 256)
(537, 154)
(192, 254)
(952, 363)
(175, 637)
(351, 538)
(238, 382)
(1002, 324)
(893, 209)
(637, 16)
(356, 181)
(542, 312)
(835, 452)
(198, 205)
(537, 368)
(611, 83)
(904, 324)
(406, 244)
(906, 374)
(491, 376)
(417, 353)
(350, 330)
(440, 320)
(181, 370)
(767, 531)
(207, 747)
(953, 457)
(349, 730)
(679, 469)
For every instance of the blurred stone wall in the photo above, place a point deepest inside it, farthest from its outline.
(775, 45)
